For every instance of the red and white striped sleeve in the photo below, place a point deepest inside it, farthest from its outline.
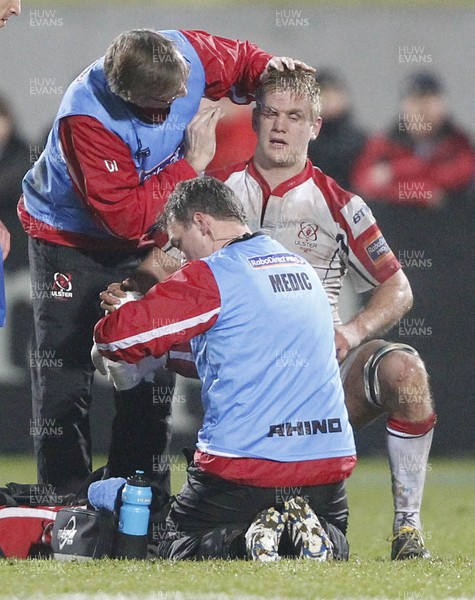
(367, 254)
(183, 306)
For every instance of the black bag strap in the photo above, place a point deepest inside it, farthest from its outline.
(81, 495)
(43, 494)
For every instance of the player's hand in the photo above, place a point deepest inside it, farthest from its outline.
(4, 240)
(112, 297)
(280, 63)
(345, 340)
(200, 138)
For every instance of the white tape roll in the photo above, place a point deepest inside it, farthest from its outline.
(129, 297)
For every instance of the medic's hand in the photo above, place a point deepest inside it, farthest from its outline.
(116, 294)
(280, 63)
(124, 375)
(200, 138)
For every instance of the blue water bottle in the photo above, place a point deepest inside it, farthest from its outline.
(131, 541)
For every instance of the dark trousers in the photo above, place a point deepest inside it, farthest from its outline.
(65, 287)
(210, 516)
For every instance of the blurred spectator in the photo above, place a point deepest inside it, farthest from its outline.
(14, 162)
(424, 159)
(340, 141)
(235, 139)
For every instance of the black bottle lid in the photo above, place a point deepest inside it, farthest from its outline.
(138, 480)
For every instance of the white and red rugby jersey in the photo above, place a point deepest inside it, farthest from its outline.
(311, 215)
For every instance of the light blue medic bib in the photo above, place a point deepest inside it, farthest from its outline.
(271, 383)
(48, 190)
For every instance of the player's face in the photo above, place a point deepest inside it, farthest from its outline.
(193, 242)
(8, 8)
(284, 127)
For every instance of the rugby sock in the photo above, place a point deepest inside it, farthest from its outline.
(408, 447)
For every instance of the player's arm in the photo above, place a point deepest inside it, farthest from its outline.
(155, 267)
(117, 199)
(233, 68)
(388, 302)
(371, 265)
(4, 240)
(185, 305)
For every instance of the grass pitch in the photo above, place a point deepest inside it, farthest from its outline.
(449, 524)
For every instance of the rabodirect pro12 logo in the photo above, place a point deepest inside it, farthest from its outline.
(281, 259)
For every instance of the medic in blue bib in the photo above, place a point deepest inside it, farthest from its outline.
(127, 130)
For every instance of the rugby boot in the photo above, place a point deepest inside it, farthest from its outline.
(307, 535)
(263, 535)
(408, 542)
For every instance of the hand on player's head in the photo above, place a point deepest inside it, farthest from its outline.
(280, 63)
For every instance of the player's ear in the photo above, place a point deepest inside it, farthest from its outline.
(200, 220)
(315, 128)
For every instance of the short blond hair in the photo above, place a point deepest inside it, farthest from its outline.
(299, 83)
